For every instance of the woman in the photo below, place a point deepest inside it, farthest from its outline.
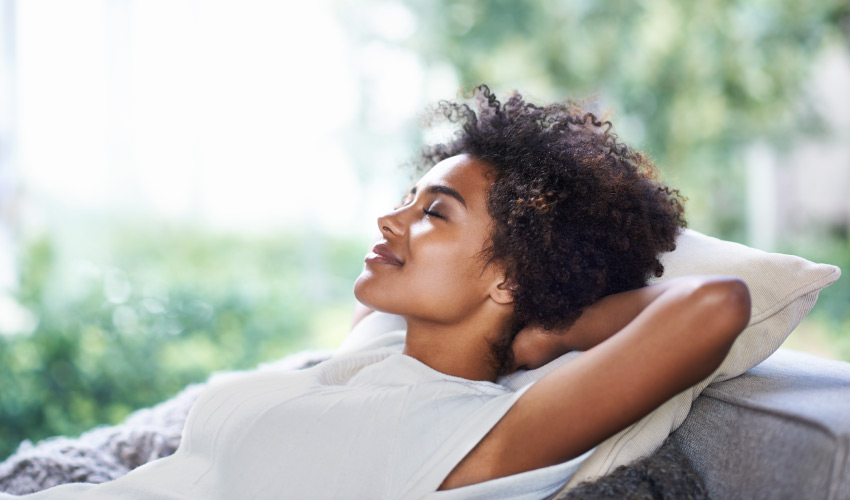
(530, 218)
(532, 235)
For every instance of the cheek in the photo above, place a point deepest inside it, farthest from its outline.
(454, 284)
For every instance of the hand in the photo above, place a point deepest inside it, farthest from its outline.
(534, 346)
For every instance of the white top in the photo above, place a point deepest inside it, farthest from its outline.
(370, 424)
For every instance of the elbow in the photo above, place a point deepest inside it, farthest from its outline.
(735, 306)
(726, 308)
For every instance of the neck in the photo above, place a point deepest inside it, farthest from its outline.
(461, 350)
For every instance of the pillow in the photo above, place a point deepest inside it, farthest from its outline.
(783, 290)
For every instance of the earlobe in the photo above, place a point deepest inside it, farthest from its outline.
(503, 292)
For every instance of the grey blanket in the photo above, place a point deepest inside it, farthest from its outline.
(106, 453)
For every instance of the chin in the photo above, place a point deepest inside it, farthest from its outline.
(367, 292)
(358, 287)
(362, 291)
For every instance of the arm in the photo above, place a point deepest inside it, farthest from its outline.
(678, 335)
(534, 346)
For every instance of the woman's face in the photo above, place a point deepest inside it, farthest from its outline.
(427, 264)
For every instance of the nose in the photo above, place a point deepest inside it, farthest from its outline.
(390, 224)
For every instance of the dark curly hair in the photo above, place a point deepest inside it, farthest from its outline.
(577, 214)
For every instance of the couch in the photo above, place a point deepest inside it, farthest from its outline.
(781, 430)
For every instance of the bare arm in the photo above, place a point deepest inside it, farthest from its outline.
(535, 346)
(679, 333)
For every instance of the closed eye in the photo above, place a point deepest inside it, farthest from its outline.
(432, 213)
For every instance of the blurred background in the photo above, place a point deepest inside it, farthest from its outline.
(189, 186)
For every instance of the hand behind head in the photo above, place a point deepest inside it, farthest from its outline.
(534, 346)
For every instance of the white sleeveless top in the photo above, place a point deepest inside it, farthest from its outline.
(370, 424)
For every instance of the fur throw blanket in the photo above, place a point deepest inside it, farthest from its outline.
(106, 453)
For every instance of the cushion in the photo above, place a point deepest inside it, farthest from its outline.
(783, 288)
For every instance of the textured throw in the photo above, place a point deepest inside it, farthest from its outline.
(106, 453)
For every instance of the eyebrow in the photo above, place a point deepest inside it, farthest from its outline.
(440, 189)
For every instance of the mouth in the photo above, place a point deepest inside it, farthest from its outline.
(381, 254)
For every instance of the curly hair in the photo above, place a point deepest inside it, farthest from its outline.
(577, 215)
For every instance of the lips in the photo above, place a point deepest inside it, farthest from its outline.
(382, 254)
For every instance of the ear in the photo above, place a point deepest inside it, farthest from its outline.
(502, 291)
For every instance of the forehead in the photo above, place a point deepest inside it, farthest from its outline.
(469, 176)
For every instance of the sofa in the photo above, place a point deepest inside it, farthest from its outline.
(780, 430)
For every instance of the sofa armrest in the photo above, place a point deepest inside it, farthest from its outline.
(781, 430)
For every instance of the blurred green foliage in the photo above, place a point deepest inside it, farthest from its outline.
(691, 83)
(157, 311)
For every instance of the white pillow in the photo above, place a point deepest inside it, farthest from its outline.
(783, 289)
